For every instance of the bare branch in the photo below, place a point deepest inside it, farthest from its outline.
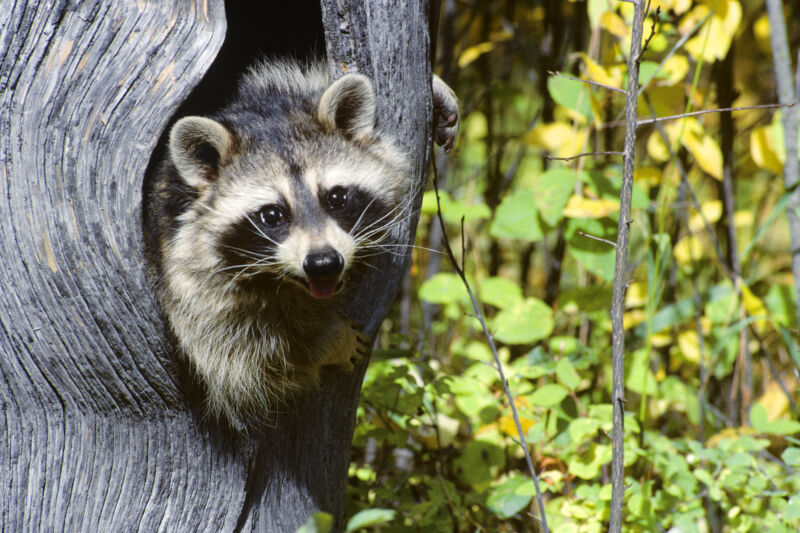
(786, 95)
(584, 154)
(620, 276)
(645, 121)
(588, 82)
(498, 365)
(612, 243)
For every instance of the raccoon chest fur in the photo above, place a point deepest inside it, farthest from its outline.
(258, 223)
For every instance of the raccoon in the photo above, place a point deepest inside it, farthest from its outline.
(258, 222)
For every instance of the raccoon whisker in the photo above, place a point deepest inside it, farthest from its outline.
(260, 232)
(361, 217)
(374, 229)
(394, 212)
(424, 248)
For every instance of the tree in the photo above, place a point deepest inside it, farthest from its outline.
(99, 433)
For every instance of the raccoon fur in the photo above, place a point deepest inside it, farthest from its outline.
(257, 223)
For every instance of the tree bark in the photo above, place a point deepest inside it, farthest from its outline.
(97, 431)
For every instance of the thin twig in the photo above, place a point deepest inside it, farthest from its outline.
(584, 154)
(645, 121)
(612, 243)
(621, 274)
(589, 82)
(499, 367)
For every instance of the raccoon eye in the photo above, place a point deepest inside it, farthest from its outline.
(337, 198)
(271, 215)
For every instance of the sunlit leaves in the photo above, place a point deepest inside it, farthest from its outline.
(510, 496)
(369, 518)
(500, 292)
(516, 218)
(714, 38)
(559, 138)
(524, 322)
(582, 207)
(572, 95)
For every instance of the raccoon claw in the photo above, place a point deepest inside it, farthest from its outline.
(445, 114)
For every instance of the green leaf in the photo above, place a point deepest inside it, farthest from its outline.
(791, 456)
(581, 428)
(640, 378)
(317, 523)
(511, 496)
(500, 292)
(516, 218)
(443, 288)
(587, 466)
(566, 374)
(548, 395)
(479, 462)
(370, 517)
(759, 420)
(571, 94)
(525, 322)
(596, 256)
(552, 191)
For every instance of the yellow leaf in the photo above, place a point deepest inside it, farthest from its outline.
(582, 207)
(762, 143)
(633, 318)
(474, 52)
(754, 307)
(714, 39)
(774, 399)
(656, 147)
(761, 32)
(559, 138)
(659, 340)
(706, 152)
(507, 425)
(743, 219)
(636, 295)
(613, 24)
(711, 211)
(651, 175)
(688, 250)
(595, 72)
(689, 345)
(729, 433)
(676, 68)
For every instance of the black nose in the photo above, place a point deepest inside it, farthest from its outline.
(324, 264)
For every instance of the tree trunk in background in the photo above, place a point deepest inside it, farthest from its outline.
(97, 432)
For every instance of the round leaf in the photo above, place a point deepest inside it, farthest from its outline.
(525, 322)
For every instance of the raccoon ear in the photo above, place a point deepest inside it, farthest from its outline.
(348, 106)
(196, 147)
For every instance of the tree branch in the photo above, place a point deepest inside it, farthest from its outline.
(786, 95)
(621, 274)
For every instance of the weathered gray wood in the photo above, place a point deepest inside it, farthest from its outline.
(96, 434)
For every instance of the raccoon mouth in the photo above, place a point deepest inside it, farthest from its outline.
(324, 287)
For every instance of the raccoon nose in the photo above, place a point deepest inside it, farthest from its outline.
(323, 264)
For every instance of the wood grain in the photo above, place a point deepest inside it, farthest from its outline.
(95, 432)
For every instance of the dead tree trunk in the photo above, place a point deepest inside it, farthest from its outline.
(97, 433)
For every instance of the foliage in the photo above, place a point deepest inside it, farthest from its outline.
(712, 363)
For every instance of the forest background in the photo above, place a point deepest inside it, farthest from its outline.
(712, 365)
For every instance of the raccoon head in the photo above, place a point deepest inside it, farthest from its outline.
(295, 197)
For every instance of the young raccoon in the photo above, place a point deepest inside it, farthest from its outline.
(256, 223)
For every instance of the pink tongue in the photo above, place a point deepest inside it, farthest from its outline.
(323, 287)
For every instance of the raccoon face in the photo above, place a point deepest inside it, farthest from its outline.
(269, 211)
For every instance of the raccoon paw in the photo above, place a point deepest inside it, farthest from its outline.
(445, 114)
